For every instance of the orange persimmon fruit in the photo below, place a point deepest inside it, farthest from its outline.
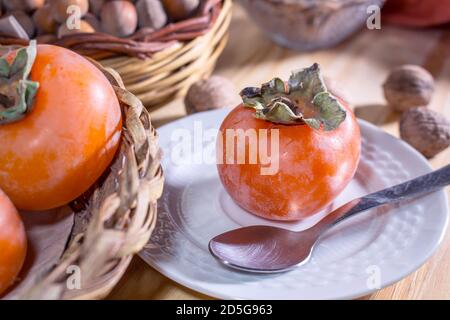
(13, 243)
(68, 137)
(315, 162)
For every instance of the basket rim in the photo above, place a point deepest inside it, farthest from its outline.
(164, 76)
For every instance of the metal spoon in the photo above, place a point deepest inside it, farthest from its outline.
(267, 249)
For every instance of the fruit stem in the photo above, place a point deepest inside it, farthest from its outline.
(303, 99)
(17, 92)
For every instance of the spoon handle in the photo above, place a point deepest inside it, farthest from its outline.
(424, 184)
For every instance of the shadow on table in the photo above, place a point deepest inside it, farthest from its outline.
(377, 114)
(142, 282)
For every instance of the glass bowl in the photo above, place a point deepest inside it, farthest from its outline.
(309, 24)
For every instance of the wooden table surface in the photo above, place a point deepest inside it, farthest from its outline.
(359, 66)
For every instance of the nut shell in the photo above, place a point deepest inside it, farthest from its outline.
(151, 14)
(425, 130)
(209, 94)
(119, 18)
(408, 86)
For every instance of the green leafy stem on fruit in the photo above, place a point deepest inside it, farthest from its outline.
(17, 92)
(304, 99)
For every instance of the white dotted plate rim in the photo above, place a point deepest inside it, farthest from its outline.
(407, 238)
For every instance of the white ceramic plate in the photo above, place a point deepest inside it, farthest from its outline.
(355, 258)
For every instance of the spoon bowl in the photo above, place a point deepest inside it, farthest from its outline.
(262, 249)
(266, 249)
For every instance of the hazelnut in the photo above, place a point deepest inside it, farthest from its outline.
(23, 5)
(213, 93)
(119, 18)
(85, 27)
(408, 86)
(44, 21)
(180, 9)
(25, 21)
(151, 14)
(426, 130)
(59, 8)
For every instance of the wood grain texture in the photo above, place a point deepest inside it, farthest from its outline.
(359, 66)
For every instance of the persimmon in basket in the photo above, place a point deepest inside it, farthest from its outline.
(13, 243)
(60, 126)
(289, 149)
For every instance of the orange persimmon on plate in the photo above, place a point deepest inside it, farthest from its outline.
(317, 152)
(60, 126)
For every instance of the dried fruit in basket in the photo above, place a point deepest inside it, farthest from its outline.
(60, 128)
(295, 147)
(13, 243)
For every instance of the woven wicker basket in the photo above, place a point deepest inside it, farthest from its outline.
(119, 214)
(156, 66)
(171, 71)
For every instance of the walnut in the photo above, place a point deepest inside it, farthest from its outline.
(426, 130)
(213, 93)
(408, 86)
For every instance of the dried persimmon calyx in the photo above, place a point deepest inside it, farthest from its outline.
(17, 91)
(304, 99)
